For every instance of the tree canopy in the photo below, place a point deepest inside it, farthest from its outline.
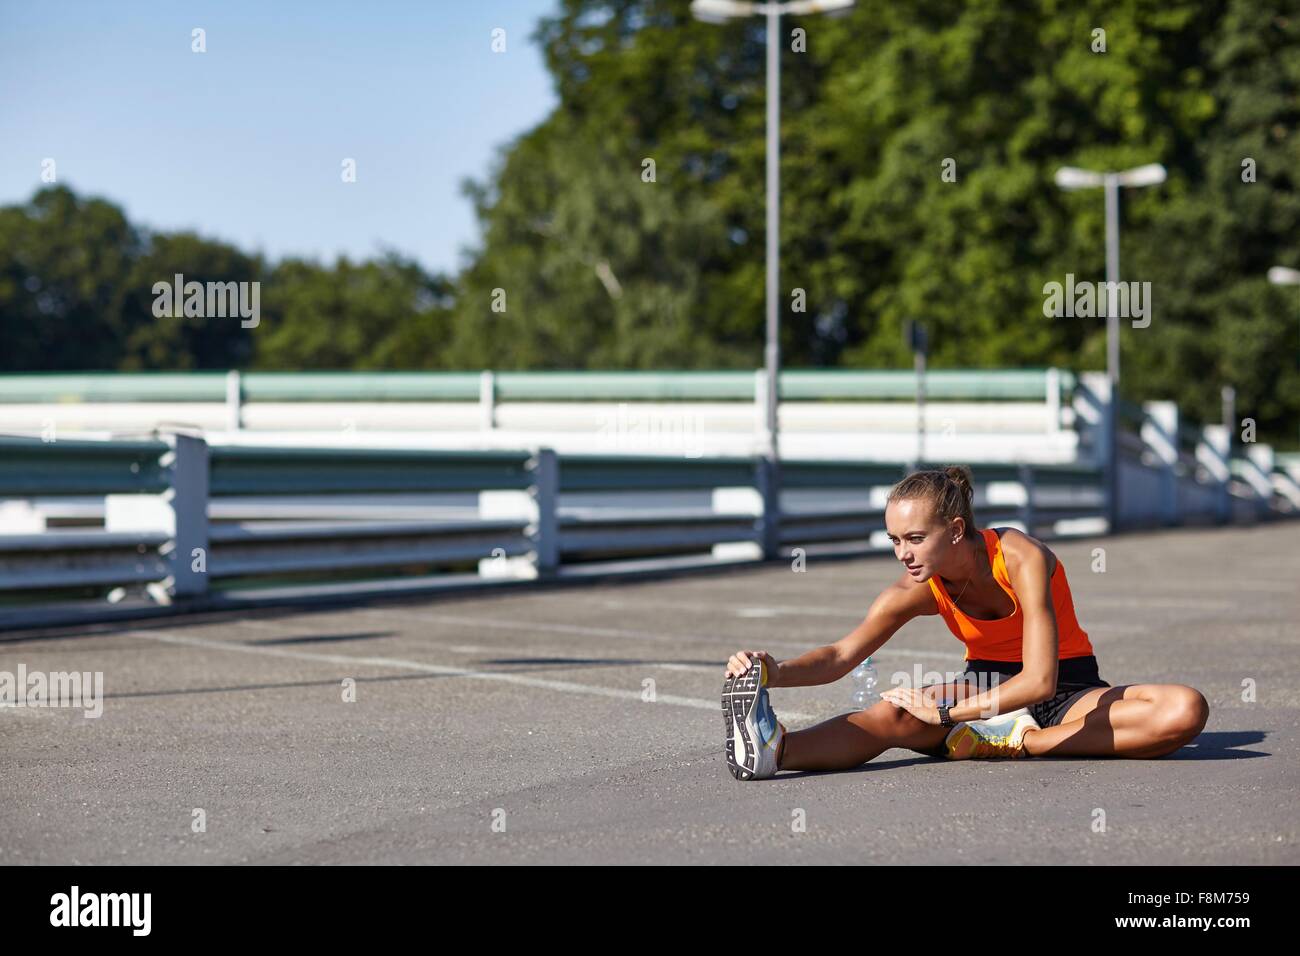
(627, 229)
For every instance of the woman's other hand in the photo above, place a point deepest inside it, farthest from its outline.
(741, 661)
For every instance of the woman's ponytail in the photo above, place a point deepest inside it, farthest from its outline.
(961, 476)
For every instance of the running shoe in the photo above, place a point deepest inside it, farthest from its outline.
(754, 734)
(1000, 736)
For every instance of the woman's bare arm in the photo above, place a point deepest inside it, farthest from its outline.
(1033, 586)
(896, 605)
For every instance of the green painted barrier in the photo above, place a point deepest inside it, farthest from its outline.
(558, 386)
(650, 473)
(30, 467)
(251, 470)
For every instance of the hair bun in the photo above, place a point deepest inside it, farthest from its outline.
(964, 479)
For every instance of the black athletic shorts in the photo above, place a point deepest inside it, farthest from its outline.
(1075, 676)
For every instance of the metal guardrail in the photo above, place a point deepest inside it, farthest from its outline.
(160, 494)
(738, 385)
(30, 466)
(251, 550)
(160, 497)
(246, 469)
(63, 559)
(1174, 473)
(646, 472)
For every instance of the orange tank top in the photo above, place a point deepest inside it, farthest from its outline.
(1003, 639)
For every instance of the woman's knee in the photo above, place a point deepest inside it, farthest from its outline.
(1183, 712)
(883, 714)
(892, 723)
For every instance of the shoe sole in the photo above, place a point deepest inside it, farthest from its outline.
(739, 697)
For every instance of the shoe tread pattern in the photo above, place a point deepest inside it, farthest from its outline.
(739, 695)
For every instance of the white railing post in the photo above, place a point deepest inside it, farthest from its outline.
(1026, 472)
(545, 528)
(538, 506)
(188, 496)
(21, 517)
(767, 479)
(1212, 455)
(180, 512)
(1102, 422)
(744, 500)
(234, 401)
(1160, 434)
(1259, 473)
(1285, 484)
(1053, 401)
(487, 400)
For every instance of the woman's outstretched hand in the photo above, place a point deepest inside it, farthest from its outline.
(916, 702)
(741, 661)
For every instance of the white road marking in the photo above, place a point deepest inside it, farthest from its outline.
(400, 664)
(1089, 602)
(1138, 603)
(526, 626)
(636, 635)
(767, 610)
(25, 711)
(537, 652)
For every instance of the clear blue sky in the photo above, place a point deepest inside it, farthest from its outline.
(245, 142)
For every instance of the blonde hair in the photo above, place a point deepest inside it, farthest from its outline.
(950, 490)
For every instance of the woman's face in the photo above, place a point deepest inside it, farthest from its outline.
(922, 541)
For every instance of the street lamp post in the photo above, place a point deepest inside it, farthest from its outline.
(1281, 275)
(1228, 405)
(916, 339)
(719, 11)
(1071, 177)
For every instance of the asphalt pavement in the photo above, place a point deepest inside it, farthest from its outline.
(582, 725)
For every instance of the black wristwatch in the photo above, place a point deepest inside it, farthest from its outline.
(944, 719)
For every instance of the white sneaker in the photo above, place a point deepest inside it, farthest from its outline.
(754, 734)
(1000, 736)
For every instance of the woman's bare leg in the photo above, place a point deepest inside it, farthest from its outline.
(1135, 720)
(851, 739)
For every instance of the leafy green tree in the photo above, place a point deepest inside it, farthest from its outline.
(77, 293)
(601, 264)
(875, 108)
(384, 314)
(62, 261)
(174, 340)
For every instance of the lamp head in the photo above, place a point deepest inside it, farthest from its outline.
(1152, 174)
(720, 11)
(1072, 177)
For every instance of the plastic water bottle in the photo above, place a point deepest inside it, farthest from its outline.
(864, 684)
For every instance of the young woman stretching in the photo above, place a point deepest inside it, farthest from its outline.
(1030, 688)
